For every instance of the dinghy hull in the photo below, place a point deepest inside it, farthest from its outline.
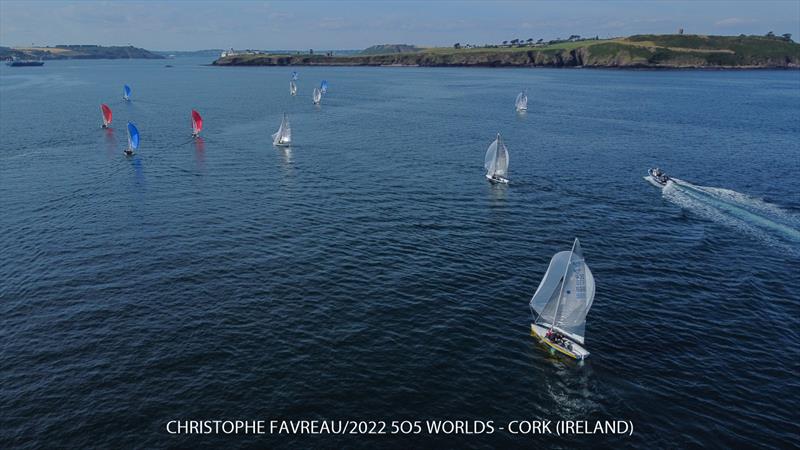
(496, 180)
(576, 351)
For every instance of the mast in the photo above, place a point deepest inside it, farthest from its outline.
(563, 282)
(497, 153)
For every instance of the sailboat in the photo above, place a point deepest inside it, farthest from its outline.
(126, 93)
(284, 134)
(292, 87)
(106, 115)
(294, 75)
(522, 102)
(133, 139)
(197, 123)
(324, 86)
(561, 303)
(496, 161)
(317, 96)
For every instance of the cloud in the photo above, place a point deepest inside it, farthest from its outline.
(733, 22)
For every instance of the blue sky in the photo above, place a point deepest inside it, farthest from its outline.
(197, 24)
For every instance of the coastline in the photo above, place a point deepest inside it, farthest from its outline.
(658, 52)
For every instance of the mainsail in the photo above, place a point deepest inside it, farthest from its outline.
(133, 137)
(292, 87)
(126, 92)
(197, 123)
(496, 160)
(317, 95)
(284, 134)
(522, 101)
(323, 86)
(106, 114)
(565, 294)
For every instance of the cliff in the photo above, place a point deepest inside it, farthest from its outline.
(640, 51)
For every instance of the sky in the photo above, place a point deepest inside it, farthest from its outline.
(297, 25)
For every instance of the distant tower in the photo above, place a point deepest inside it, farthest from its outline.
(680, 30)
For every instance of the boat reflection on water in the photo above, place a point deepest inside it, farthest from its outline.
(200, 152)
(112, 146)
(286, 153)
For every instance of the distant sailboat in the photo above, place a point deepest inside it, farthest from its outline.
(106, 115)
(126, 93)
(317, 96)
(522, 101)
(496, 161)
(562, 301)
(323, 87)
(294, 76)
(292, 87)
(284, 134)
(197, 123)
(133, 139)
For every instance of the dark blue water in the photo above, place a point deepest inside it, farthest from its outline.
(371, 272)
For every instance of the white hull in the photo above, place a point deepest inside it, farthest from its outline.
(650, 179)
(570, 348)
(497, 179)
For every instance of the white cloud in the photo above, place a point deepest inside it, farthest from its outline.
(733, 22)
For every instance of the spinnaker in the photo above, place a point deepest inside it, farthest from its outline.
(562, 301)
(133, 138)
(106, 115)
(522, 101)
(284, 134)
(496, 161)
(197, 123)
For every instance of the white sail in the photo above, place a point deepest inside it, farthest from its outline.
(565, 294)
(317, 96)
(292, 87)
(496, 160)
(522, 101)
(284, 134)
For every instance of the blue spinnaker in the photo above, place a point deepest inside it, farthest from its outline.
(323, 86)
(126, 91)
(133, 136)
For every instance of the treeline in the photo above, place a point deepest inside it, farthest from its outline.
(530, 42)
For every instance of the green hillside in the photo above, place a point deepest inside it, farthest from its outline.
(646, 51)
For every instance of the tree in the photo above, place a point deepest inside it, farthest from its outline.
(770, 34)
(787, 37)
(505, 42)
(457, 45)
(514, 41)
(540, 41)
(529, 40)
(573, 37)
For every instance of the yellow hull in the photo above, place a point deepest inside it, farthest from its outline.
(553, 346)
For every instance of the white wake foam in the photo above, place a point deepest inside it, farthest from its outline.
(753, 216)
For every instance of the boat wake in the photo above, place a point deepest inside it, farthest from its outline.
(753, 216)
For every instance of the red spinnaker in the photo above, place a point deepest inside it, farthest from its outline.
(106, 114)
(197, 122)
